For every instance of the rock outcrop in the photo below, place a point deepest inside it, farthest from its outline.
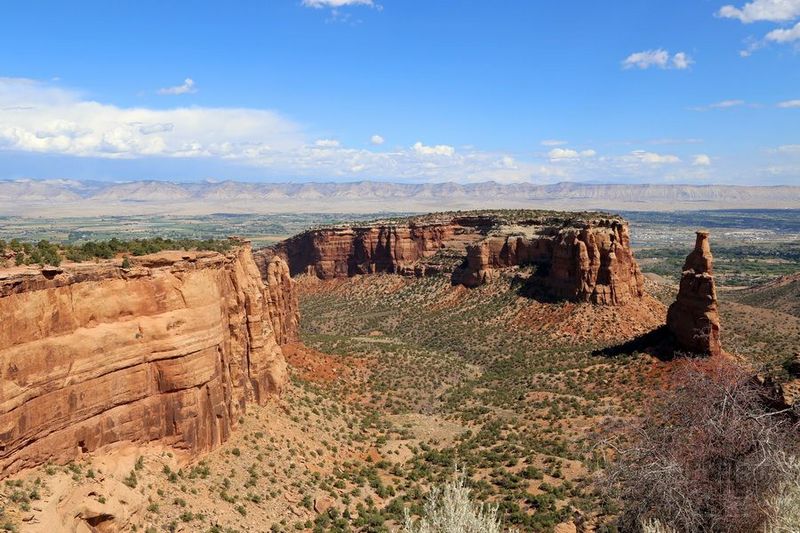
(578, 256)
(694, 316)
(593, 263)
(171, 349)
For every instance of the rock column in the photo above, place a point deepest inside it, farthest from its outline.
(694, 317)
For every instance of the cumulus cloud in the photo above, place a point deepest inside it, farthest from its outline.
(789, 104)
(681, 61)
(557, 154)
(784, 35)
(327, 143)
(658, 58)
(334, 4)
(376, 140)
(777, 11)
(701, 160)
(651, 158)
(552, 142)
(763, 10)
(149, 129)
(36, 117)
(439, 149)
(186, 87)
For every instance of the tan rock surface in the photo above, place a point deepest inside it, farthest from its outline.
(171, 349)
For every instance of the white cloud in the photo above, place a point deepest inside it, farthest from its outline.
(327, 143)
(186, 87)
(35, 117)
(376, 140)
(39, 118)
(789, 104)
(701, 160)
(552, 142)
(658, 58)
(149, 129)
(557, 154)
(333, 4)
(786, 35)
(763, 10)
(651, 158)
(681, 61)
(439, 149)
(723, 104)
(562, 153)
(790, 149)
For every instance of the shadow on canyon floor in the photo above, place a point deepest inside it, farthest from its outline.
(659, 342)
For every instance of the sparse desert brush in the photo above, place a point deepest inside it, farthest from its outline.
(709, 456)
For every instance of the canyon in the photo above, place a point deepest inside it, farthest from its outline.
(577, 256)
(171, 349)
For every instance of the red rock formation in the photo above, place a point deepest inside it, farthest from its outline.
(694, 317)
(586, 258)
(171, 349)
(282, 305)
(593, 264)
(347, 251)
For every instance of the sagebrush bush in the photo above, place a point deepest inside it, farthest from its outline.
(784, 506)
(449, 509)
(654, 526)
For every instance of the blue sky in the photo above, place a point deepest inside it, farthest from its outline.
(681, 91)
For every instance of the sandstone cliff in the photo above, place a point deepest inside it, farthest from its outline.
(282, 305)
(579, 256)
(171, 349)
(393, 248)
(694, 317)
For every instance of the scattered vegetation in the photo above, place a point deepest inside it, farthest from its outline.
(45, 252)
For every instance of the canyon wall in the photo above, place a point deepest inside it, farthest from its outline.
(171, 349)
(694, 316)
(579, 257)
(391, 248)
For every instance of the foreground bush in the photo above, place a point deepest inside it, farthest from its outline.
(449, 509)
(710, 457)
(784, 506)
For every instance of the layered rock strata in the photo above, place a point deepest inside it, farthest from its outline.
(579, 257)
(171, 349)
(282, 304)
(593, 263)
(392, 248)
(694, 316)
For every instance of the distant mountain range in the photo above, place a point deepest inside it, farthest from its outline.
(93, 198)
